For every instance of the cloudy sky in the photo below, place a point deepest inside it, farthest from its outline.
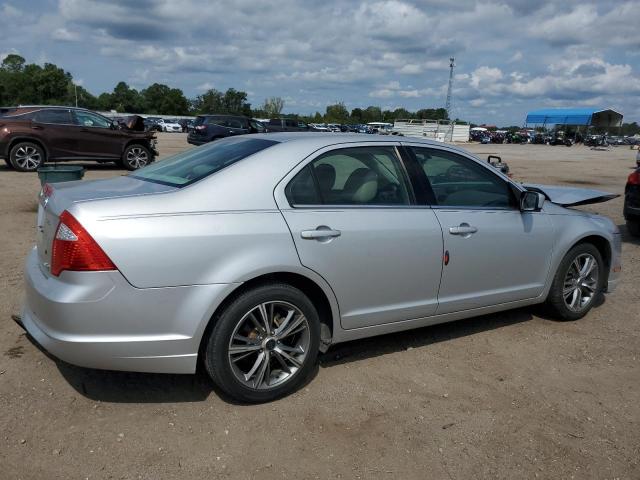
(511, 56)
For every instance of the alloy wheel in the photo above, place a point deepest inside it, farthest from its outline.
(269, 345)
(137, 157)
(580, 282)
(28, 157)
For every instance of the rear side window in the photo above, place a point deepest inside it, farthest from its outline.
(275, 121)
(352, 176)
(290, 123)
(55, 116)
(188, 167)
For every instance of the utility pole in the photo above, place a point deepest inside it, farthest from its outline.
(449, 90)
(75, 89)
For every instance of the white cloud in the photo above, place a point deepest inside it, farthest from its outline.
(64, 35)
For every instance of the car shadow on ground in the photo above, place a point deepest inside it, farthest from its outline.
(626, 236)
(131, 387)
(422, 337)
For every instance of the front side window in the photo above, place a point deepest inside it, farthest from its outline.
(55, 116)
(290, 123)
(352, 176)
(457, 181)
(88, 119)
(188, 167)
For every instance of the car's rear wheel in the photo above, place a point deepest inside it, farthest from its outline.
(633, 226)
(136, 156)
(27, 157)
(8, 162)
(264, 345)
(577, 284)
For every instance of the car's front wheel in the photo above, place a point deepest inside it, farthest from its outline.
(578, 282)
(264, 345)
(136, 156)
(27, 157)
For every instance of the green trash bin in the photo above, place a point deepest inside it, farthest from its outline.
(58, 173)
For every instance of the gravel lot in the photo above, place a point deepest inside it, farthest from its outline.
(512, 395)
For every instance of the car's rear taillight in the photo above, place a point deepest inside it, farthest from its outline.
(634, 178)
(74, 249)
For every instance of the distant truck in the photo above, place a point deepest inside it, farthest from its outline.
(286, 125)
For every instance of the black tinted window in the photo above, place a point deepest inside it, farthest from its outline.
(54, 116)
(190, 166)
(275, 121)
(290, 123)
(460, 182)
(302, 190)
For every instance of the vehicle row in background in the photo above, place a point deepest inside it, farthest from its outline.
(33, 135)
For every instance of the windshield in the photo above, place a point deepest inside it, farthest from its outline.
(188, 167)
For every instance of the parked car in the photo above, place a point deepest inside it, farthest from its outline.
(632, 202)
(318, 127)
(286, 125)
(253, 253)
(31, 136)
(169, 125)
(208, 128)
(151, 124)
(186, 124)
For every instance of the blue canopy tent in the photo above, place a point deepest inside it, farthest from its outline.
(591, 117)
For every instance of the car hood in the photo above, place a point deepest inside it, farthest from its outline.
(571, 196)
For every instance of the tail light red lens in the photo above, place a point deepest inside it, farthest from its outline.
(74, 249)
(634, 178)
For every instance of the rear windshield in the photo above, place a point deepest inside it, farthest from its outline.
(188, 167)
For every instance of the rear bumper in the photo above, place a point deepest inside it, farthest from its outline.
(98, 320)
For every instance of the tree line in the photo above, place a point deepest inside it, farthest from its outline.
(31, 84)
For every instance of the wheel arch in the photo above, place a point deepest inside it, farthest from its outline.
(320, 295)
(17, 140)
(137, 141)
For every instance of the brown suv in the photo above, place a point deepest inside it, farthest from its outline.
(31, 136)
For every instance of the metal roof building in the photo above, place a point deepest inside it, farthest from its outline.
(576, 116)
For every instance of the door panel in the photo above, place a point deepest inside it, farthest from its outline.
(96, 137)
(497, 254)
(54, 128)
(354, 224)
(384, 266)
(506, 259)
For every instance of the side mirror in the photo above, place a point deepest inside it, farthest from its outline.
(531, 201)
(114, 125)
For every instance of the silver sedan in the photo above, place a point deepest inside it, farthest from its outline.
(252, 254)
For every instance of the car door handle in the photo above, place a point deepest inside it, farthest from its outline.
(462, 229)
(36, 127)
(320, 233)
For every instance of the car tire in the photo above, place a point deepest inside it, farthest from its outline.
(8, 162)
(27, 157)
(253, 365)
(576, 286)
(633, 226)
(136, 156)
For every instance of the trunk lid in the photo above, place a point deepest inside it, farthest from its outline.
(55, 198)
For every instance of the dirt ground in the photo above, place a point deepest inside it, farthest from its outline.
(512, 395)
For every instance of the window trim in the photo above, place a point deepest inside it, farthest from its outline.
(330, 148)
(422, 176)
